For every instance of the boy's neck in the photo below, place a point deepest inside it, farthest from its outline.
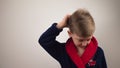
(80, 51)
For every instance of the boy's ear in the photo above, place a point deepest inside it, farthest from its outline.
(69, 33)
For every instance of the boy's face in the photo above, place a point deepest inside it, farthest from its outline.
(80, 41)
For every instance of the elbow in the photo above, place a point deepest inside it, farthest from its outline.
(40, 40)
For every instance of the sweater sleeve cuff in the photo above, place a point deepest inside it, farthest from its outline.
(54, 26)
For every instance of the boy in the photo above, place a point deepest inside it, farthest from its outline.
(81, 49)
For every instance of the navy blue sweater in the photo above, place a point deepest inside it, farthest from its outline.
(58, 51)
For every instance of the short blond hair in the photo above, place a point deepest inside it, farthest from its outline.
(81, 22)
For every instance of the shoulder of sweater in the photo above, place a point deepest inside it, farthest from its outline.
(100, 51)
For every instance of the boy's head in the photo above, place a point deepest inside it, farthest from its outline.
(81, 24)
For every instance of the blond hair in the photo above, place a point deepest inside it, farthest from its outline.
(81, 23)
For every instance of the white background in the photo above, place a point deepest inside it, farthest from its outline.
(23, 21)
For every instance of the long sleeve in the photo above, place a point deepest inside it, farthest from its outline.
(49, 43)
(104, 65)
(101, 58)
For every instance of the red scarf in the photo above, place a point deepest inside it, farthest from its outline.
(88, 54)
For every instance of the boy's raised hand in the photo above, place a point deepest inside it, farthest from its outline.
(63, 23)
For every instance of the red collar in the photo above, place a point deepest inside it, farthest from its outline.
(87, 55)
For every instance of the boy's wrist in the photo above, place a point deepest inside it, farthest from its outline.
(55, 27)
(59, 26)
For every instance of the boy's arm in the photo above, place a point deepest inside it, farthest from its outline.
(104, 64)
(102, 59)
(48, 39)
(48, 42)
